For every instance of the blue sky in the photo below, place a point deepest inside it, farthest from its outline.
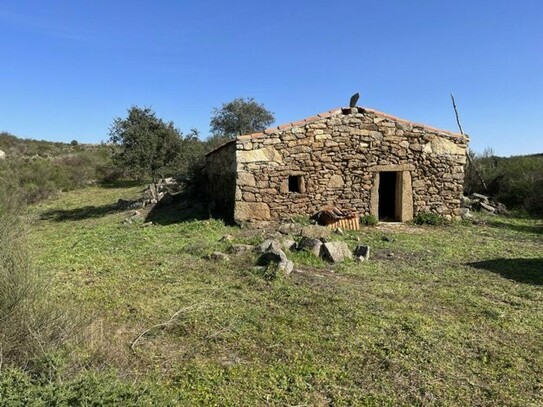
(69, 67)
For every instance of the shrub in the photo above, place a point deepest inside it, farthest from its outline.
(429, 218)
(368, 220)
(30, 326)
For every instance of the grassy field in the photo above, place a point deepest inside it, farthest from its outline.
(439, 316)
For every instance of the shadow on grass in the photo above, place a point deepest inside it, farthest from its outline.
(122, 184)
(534, 228)
(528, 271)
(181, 207)
(85, 212)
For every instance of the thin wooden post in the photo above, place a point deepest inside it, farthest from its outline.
(469, 156)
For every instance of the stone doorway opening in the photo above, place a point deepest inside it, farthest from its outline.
(389, 196)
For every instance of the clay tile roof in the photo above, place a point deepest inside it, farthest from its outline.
(334, 112)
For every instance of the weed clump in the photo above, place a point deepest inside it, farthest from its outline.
(368, 220)
(429, 218)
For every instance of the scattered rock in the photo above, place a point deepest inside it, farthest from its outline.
(290, 229)
(483, 203)
(276, 256)
(272, 256)
(501, 209)
(316, 232)
(336, 252)
(311, 245)
(289, 245)
(465, 213)
(241, 248)
(479, 197)
(339, 231)
(286, 267)
(267, 245)
(147, 224)
(487, 208)
(218, 256)
(2, 155)
(362, 252)
(387, 239)
(226, 238)
(135, 217)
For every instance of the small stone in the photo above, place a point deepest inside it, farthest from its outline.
(218, 256)
(387, 239)
(226, 238)
(501, 209)
(465, 213)
(339, 231)
(241, 248)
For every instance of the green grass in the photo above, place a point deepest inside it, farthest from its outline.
(446, 315)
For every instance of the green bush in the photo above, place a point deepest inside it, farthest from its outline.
(368, 220)
(429, 218)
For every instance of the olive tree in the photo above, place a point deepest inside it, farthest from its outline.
(147, 146)
(240, 116)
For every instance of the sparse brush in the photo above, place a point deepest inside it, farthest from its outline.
(30, 326)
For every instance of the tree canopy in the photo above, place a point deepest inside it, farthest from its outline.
(240, 116)
(148, 146)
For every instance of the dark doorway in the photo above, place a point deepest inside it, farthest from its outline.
(387, 196)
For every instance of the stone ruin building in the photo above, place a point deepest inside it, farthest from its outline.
(350, 158)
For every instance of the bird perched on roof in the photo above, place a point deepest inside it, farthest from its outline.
(354, 99)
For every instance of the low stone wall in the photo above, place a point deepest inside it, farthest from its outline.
(338, 159)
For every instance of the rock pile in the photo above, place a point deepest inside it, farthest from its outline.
(162, 191)
(481, 203)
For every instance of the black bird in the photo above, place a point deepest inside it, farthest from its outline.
(354, 99)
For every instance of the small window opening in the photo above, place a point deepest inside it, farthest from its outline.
(295, 183)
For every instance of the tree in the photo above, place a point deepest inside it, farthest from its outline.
(240, 116)
(148, 146)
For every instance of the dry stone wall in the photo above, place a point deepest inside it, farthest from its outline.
(336, 160)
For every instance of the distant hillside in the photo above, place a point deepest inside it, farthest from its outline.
(37, 169)
(18, 147)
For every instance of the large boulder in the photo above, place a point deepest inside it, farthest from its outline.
(276, 256)
(316, 232)
(336, 252)
(311, 245)
(290, 229)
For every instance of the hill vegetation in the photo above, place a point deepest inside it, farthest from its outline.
(516, 181)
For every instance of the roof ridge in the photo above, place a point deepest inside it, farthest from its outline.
(334, 112)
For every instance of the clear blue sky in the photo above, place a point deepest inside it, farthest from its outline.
(69, 67)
